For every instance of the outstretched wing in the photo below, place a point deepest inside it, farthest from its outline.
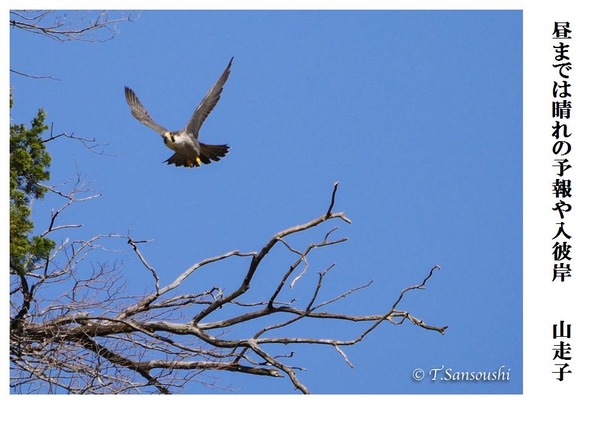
(140, 113)
(207, 104)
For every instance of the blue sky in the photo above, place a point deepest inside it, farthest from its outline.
(418, 115)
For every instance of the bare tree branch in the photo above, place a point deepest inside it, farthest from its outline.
(92, 337)
(85, 26)
(35, 77)
(68, 26)
(89, 143)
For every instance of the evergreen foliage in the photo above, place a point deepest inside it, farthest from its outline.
(29, 166)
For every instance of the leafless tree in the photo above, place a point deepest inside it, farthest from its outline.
(68, 26)
(75, 329)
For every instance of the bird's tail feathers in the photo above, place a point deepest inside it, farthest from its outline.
(212, 152)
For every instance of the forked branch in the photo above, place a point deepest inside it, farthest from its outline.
(97, 339)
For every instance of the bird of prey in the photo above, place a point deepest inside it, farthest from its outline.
(189, 151)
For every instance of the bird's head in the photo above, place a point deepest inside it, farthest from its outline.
(168, 138)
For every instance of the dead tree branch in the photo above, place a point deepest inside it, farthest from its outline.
(89, 143)
(84, 26)
(95, 338)
(68, 26)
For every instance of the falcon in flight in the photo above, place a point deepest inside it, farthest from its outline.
(189, 152)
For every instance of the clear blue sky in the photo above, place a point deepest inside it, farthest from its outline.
(418, 115)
